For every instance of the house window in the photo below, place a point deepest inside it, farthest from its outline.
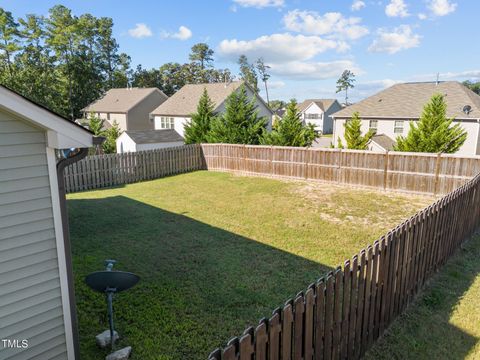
(167, 122)
(398, 127)
(373, 125)
(312, 116)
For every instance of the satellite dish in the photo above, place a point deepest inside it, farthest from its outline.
(110, 282)
(467, 109)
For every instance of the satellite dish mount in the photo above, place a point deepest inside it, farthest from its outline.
(110, 282)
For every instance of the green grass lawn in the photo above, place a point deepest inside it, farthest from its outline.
(444, 321)
(216, 252)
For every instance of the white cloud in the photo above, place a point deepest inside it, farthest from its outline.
(396, 8)
(259, 3)
(422, 16)
(140, 30)
(400, 38)
(441, 7)
(473, 75)
(333, 24)
(276, 84)
(278, 48)
(303, 70)
(357, 5)
(183, 33)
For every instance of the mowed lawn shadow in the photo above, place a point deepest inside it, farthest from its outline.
(427, 330)
(200, 285)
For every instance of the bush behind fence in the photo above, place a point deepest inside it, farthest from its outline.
(343, 313)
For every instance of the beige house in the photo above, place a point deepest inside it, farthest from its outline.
(389, 112)
(129, 107)
(319, 113)
(37, 300)
(176, 111)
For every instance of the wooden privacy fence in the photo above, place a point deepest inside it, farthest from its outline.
(342, 314)
(412, 172)
(101, 171)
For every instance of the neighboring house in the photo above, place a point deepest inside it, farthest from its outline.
(140, 140)
(176, 111)
(318, 112)
(390, 111)
(37, 301)
(381, 142)
(129, 107)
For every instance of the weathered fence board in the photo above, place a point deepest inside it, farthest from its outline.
(342, 316)
(100, 171)
(411, 172)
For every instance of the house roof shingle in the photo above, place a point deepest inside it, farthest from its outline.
(406, 101)
(384, 141)
(154, 136)
(184, 102)
(120, 100)
(323, 104)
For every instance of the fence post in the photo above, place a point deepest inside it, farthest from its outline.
(339, 167)
(307, 155)
(385, 172)
(437, 173)
(271, 160)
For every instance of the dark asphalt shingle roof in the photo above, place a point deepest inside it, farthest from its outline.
(384, 141)
(154, 136)
(406, 101)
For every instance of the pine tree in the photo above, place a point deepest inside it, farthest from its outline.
(240, 124)
(434, 132)
(111, 136)
(353, 134)
(196, 131)
(290, 130)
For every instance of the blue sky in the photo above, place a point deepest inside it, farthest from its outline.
(307, 43)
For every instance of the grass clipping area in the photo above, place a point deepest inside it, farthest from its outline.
(215, 253)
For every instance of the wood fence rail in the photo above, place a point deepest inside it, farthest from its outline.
(100, 171)
(411, 172)
(343, 313)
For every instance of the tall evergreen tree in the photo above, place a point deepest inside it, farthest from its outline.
(240, 123)
(264, 75)
(345, 82)
(434, 132)
(202, 54)
(111, 136)
(290, 130)
(197, 130)
(248, 73)
(9, 45)
(353, 134)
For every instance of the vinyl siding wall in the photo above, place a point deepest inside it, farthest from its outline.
(30, 295)
(387, 127)
(139, 115)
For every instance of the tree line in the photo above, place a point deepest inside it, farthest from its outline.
(64, 62)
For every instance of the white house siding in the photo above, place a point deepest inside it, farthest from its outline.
(312, 110)
(386, 127)
(179, 123)
(30, 293)
(125, 144)
(143, 147)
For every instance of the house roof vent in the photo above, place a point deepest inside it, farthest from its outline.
(467, 109)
